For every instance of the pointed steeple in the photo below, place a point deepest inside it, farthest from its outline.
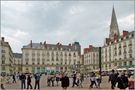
(114, 29)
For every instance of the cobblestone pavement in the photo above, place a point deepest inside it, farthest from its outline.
(43, 85)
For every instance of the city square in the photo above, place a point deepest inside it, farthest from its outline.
(70, 45)
(104, 85)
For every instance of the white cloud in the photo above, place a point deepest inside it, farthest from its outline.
(127, 22)
(61, 21)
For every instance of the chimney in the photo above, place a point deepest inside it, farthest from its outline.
(3, 39)
(40, 43)
(31, 43)
(44, 42)
(125, 33)
(90, 46)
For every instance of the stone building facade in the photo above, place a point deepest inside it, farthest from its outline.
(118, 50)
(43, 57)
(7, 60)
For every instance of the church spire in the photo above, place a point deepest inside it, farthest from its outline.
(114, 29)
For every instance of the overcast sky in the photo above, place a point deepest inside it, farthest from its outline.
(62, 21)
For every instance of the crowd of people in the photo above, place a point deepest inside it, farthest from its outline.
(121, 80)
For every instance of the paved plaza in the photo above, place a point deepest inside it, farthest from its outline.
(43, 86)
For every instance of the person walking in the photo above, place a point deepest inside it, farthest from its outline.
(23, 78)
(122, 81)
(37, 81)
(29, 82)
(112, 78)
(13, 77)
(64, 81)
(57, 79)
(74, 80)
(78, 78)
(93, 80)
(81, 80)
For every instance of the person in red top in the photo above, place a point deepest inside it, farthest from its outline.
(131, 83)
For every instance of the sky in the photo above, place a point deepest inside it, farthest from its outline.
(86, 22)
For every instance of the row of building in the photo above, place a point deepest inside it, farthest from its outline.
(117, 52)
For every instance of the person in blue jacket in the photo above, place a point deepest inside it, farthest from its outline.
(37, 81)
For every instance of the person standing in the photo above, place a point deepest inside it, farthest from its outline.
(113, 79)
(78, 78)
(37, 81)
(124, 80)
(48, 79)
(74, 80)
(64, 81)
(131, 83)
(29, 82)
(52, 79)
(23, 78)
(2, 81)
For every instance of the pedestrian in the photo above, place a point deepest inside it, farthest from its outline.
(23, 78)
(2, 81)
(93, 80)
(52, 79)
(14, 79)
(78, 78)
(48, 79)
(37, 80)
(122, 81)
(74, 80)
(29, 82)
(131, 83)
(57, 79)
(112, 78)
(64, 81)
(81, 80)
(124, 78)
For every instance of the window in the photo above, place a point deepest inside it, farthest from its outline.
(121, 39)
(33, 54)
(26, 54)
(3, 61)
(130, 62)
(26, 63)
(3, 57)
(130, 55)
(65, 54)
(120, 52)
(69, 54)
(74, 55)
(119, 45)
(52, 59)
(125, 63)
(43, 54)
(3, 67)
(48, 54)
(3, 51)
